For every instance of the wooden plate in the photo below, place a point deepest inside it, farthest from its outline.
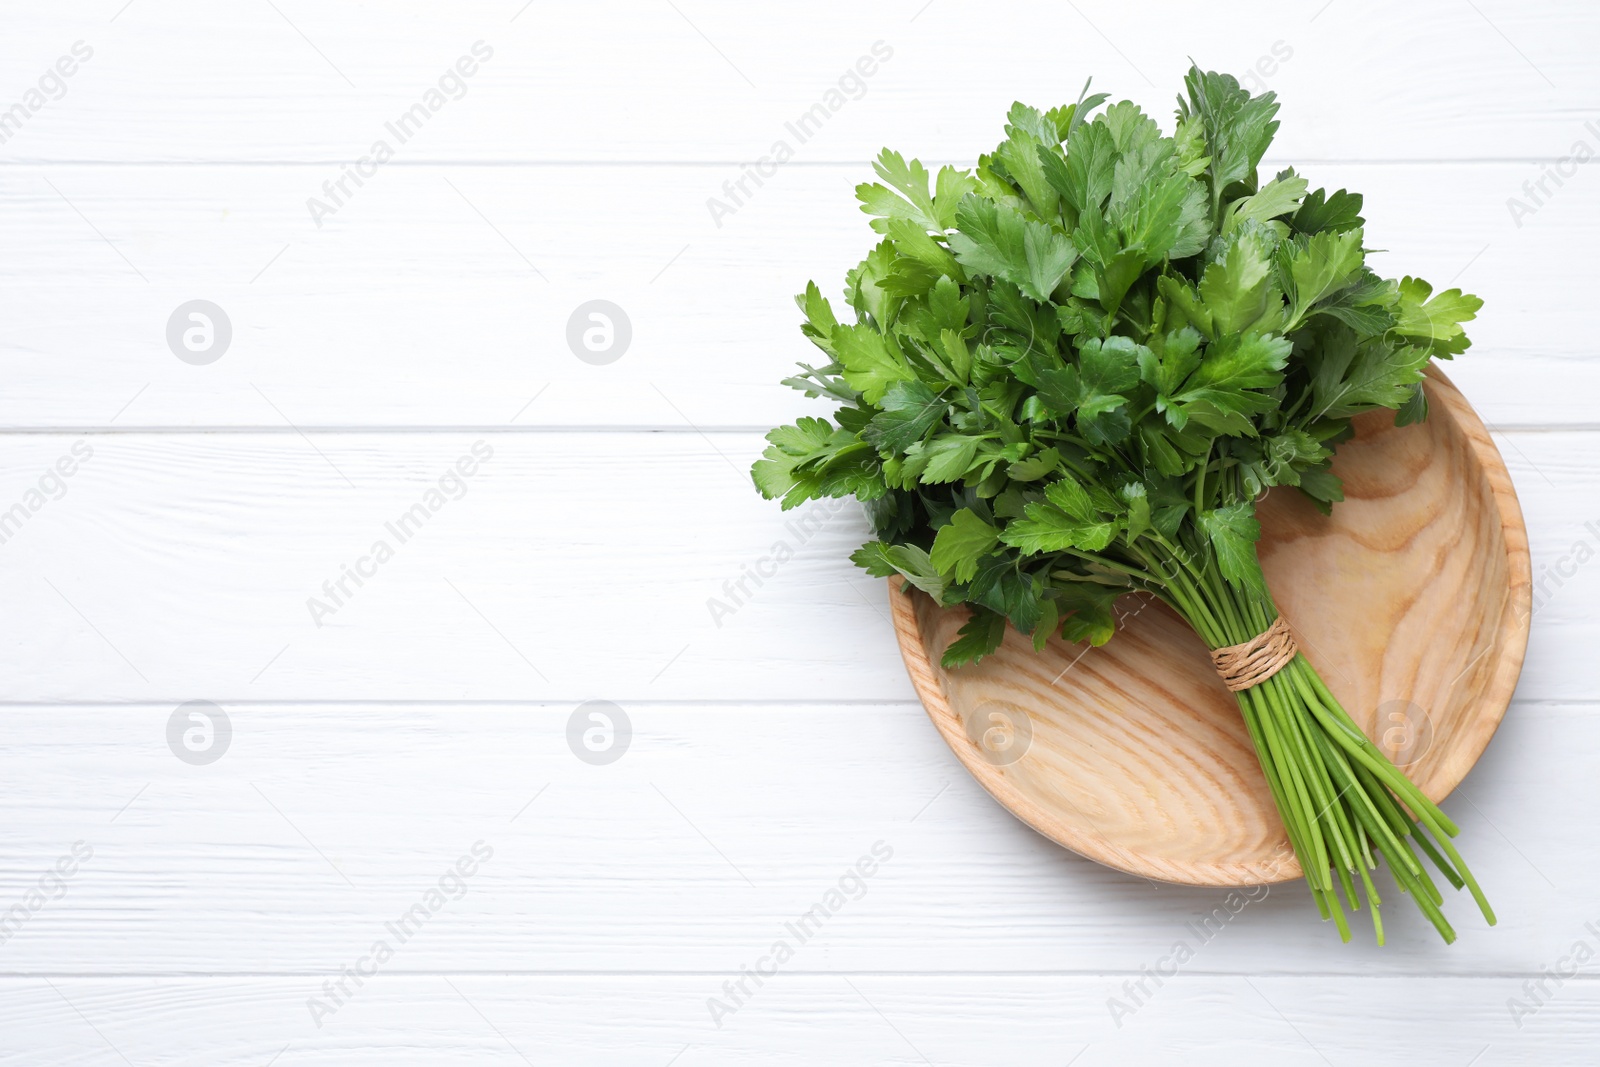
(1412, 601)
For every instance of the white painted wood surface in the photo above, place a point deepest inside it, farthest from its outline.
(318, 315)
(769, 753)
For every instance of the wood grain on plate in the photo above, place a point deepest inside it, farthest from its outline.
(1412, 600)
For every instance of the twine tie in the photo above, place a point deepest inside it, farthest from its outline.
(1253, 662)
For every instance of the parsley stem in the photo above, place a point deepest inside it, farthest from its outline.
(1116, 565)
(1345, 805)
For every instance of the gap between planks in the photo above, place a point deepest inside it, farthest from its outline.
(692, 164)
(714, 703)
(1471, 976)
(533, 429)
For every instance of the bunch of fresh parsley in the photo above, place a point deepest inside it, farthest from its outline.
(1071, 374)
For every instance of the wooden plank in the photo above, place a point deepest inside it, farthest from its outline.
(442, 296)
(704, 80)
(984, 1021)
(567, 566)
(718, 825)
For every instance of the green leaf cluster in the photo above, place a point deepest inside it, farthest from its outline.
(1070, 372)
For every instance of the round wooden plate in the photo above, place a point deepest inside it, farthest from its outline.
(1412, 600)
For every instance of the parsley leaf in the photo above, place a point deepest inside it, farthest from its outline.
(1233, 532)
(910, 410)
(1000, 242)
(871, 362)
(961, 543)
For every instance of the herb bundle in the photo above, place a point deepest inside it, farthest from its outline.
(1072, 373)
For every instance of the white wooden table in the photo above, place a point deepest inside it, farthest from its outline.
(213, 892)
